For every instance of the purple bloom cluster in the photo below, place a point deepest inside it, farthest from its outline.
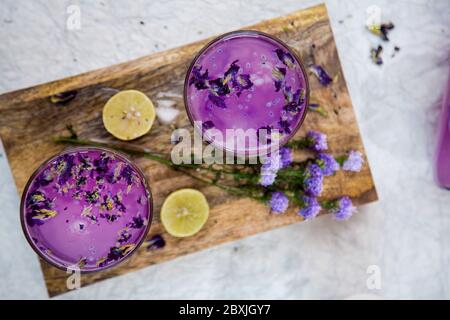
(286, 157)
(310, 209)
(321, 74)
(316, 141)
(269, 169)
(313, 180)
(343, 209)
(278, 202)
(353, 162)
(327, 163)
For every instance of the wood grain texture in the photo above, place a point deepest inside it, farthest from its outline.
(28, 121)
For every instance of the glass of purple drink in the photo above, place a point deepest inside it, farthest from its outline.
(246, 80)
(86, 209)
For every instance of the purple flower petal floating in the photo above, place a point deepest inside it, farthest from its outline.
(353, 162)
(327, 163)
(207, 125)
(321, 74)
(316, 141)
(218, 87)
(285, 126)
(313, 180)
(217, 101)
(286, 58)
(310, 209)
(343, 208)
(294, 103)
(232, 70)
(198, 78)
(286, 157)
(278, 202)
(242, 82)
(155, 242)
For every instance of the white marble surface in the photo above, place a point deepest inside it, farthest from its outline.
(406, 234)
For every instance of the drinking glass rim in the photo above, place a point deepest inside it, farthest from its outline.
(210, 43)
(67, 150)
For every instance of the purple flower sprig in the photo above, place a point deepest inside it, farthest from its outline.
(278, 202)
(352, 161)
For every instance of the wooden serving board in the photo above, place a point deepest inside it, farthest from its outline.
(29, 121)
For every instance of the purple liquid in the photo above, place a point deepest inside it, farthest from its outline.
(86, 207)
(252, 82)
(442, 158)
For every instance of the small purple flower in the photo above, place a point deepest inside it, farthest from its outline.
(343, 209)
(285, 57)
(242, 82)
(198, 78)
(327, 163)
(286, 157)
(313, 180)
(310, 209)
(316, 141)
(321, 74)
(354, 161)
(269, 169)
(278, 202)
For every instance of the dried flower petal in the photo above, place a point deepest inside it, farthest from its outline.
(63, 97)
(375, 55)
(321, 74)
(155, 242)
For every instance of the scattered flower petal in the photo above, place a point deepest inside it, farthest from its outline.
(321, 74)
(155, 242)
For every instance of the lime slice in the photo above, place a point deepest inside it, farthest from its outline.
(128, 115)
(184, 212)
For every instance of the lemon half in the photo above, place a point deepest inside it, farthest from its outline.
(184, 212)
(128, 115)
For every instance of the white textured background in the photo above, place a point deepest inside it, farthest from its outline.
(407, 233)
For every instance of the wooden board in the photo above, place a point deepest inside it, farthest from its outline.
(28, 121)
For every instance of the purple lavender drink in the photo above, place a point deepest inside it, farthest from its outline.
(86, 208)
(246, 80)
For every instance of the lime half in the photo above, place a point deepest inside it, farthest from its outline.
(128, 115)
(184, 212)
